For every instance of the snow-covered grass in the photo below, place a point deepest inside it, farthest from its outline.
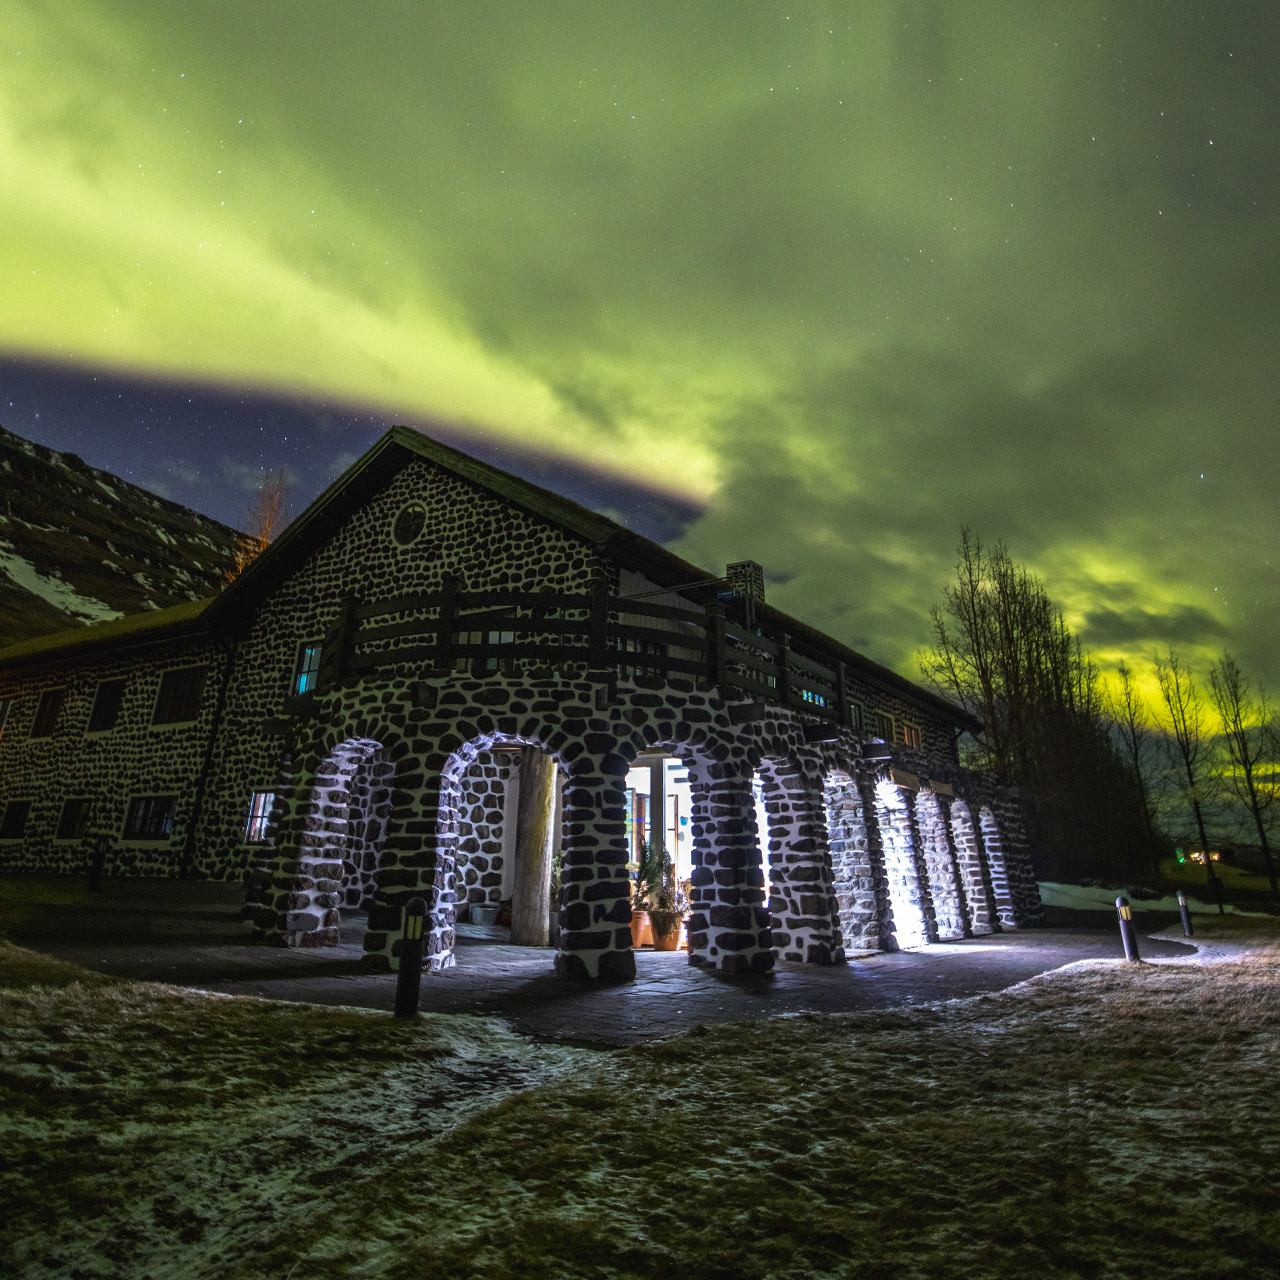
(1105, 1120)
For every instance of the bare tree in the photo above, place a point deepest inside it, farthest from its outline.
(267, 513)
(1186, 727)
(1132, 721)
(1248, 728)
(1003, 651)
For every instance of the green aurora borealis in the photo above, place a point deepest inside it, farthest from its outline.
(850, 275)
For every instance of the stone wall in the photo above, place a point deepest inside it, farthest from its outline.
(111, 768)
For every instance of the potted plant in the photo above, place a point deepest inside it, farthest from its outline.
(647, 882)
(668, 906)
(639, 913)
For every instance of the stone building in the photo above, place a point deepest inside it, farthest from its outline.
(346, 725)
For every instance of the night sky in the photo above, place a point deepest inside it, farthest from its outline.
(813, 284)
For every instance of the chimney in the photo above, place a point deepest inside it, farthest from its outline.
(747, 579)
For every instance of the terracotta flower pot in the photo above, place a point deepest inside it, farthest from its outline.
(640, 933)
(666, 929)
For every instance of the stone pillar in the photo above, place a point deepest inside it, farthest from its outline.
(729, 926)
(804, 916)
(973, 873)
(856, 883)
(299, 894)
(940, 866)
(993, 851)
(531, 880)
(908, 892)
(418, 861)
(595, 906)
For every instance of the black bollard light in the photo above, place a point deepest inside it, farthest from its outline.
(409, 979)
(1185, 913)
(1127, 935)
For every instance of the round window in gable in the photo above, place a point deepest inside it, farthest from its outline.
(409, 524)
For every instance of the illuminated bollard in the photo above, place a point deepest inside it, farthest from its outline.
(1185, 913)
(1127, 934)
(409, 979)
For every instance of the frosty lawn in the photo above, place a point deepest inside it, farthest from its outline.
(1106, 1120)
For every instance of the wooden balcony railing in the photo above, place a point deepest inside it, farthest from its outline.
(451, 629)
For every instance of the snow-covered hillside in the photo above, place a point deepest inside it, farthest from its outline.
(79, 545)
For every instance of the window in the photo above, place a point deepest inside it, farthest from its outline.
(817, 699)
(51, 701)
(179, 698)
(307, 671)
(883, 726)
(911, 736)
(650, 647)
(14, 822)
(106, 706)
(500, 664)
(150, 818)
(409, 523)
(466, 637)
(6, 706)
(260, 802)
(74, 819)
(857, 717)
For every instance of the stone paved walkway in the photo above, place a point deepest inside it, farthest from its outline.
(191, 935)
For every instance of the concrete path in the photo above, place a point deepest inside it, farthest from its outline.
(191, 935)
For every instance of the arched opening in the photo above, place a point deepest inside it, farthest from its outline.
(993, 847)
(666, 812)
(796, 864)
(909, 923)
(854, 879)
(982, 917)
(498, 832)
(940, 866)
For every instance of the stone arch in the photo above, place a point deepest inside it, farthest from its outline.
(470, 838)
(329, 834)
(908, 898)
(804, 915)
(973, 875)
(993, 847)
(949, 915)
(857, 868)
(729, 921)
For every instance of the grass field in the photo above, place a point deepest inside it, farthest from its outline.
(1106, 1120)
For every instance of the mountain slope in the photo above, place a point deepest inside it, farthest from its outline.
(79, 545)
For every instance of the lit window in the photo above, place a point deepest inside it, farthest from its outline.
(307, 672)
(106, 706)
(150, 818)
(815, 698)
(51, 701)
(14, 822)
(179, 697)
(911, 736)
(74, 819)
(260, 803)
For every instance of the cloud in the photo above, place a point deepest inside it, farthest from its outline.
(1145, 629)
(836, 281)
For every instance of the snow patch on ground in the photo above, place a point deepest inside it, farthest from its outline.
(1083, 897)
(58, 592)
